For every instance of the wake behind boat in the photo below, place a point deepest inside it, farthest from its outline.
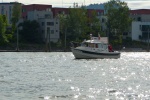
(95, 48)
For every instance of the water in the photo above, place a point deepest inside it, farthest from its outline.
(58, 76)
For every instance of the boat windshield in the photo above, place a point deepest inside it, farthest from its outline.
(84, 44)
(94, 45)
(91, 45)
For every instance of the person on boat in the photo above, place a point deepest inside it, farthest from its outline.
(110, 48)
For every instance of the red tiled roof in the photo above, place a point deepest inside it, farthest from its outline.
(59, 10)
(38, 7)
(140, 11)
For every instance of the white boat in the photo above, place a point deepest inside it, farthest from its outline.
(94, 48)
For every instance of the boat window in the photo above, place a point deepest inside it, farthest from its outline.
(100, 45)
(82, 44)
(86, 45)
(105, 46)
(91, 45)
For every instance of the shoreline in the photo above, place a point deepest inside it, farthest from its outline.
(122, 50)
(34, 51)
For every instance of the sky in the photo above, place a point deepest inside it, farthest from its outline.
(132, 4)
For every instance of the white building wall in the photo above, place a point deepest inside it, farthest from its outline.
(35, 15)
(46, 21)
(54, 29)
(145, 18)
(136, 29)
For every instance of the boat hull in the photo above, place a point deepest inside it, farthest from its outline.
(82, 54)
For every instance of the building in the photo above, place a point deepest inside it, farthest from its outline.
(49, 26)
(140, 28)
(49, 23)
(6, 9)
(57, 11)
(33, 7)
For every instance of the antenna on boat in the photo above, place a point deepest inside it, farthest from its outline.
(90, 36)
(99, 37)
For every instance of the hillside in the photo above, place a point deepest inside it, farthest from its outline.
(95, 6)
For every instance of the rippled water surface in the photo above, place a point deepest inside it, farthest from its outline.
(58, 76)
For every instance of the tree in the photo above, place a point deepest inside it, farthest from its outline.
(16, 14)
(119, 21)
(77, 24)
(30, 32)
(3, 26)
(73, 26)
(63, 28)
(94, 23)
(80, 24)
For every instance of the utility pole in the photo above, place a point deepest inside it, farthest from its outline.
(48, 46)
(65, 38)
(17, 40)
(46, 40)
(148, 37)
(49, 40)
(18, 28)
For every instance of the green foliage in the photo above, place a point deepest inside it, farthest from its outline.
(16, 14)
(127, 42)
(63, 24)
(4, 38)
(77, 25)
(94, 23)
(30, 32)
(116, 39)
(117, 13)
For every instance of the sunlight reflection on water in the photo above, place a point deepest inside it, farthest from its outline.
(58, 76)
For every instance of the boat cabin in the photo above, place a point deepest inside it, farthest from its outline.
(95, 45)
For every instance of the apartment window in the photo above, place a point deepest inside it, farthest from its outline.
(52, 31)
(47, 16)
(102, 28)
(48, 9)
(10, 8)
(48, 30)
(139, 19)
(43, 31)
(103, 20)
(145, 35)
(145, 27)
(9, 14)
(2, 10)
(43, 23)
(24, 10)
(125, 33)
(50, 23)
